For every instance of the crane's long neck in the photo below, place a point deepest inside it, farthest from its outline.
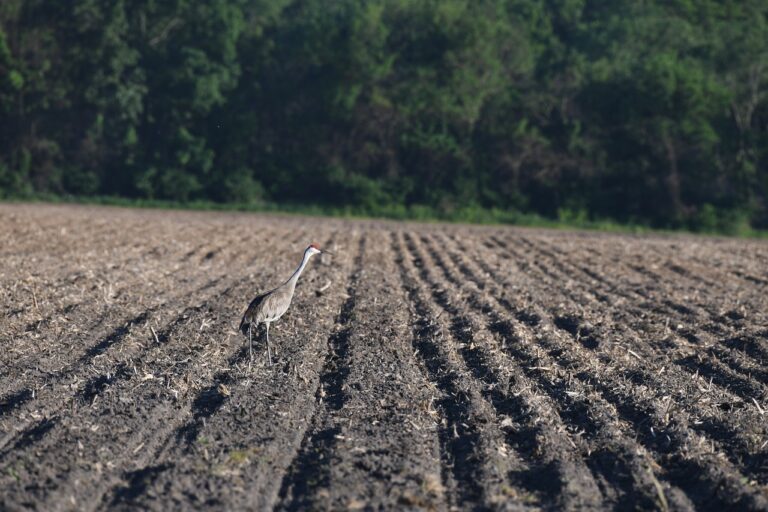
(295, 277)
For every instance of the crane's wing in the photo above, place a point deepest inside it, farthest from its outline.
(250, 313)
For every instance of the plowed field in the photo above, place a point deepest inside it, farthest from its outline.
(421, 367)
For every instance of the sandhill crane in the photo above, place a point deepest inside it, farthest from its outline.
(268, 307)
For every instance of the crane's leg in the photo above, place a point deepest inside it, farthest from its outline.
(250, 344)
(269, 350)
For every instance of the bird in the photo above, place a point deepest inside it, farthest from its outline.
(269, 306)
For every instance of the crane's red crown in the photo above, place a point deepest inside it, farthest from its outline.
(315, 246)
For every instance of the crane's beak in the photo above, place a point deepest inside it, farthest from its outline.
(327, 252)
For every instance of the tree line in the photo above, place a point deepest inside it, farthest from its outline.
(652, 112)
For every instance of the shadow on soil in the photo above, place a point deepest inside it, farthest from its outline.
(137, 483)
(14, 400)
(114, 337)
(309, 471)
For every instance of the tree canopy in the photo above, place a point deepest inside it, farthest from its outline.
(651, 112)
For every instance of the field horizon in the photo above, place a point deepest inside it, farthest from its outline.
(567, 221)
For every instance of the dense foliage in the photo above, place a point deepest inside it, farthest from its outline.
(653, 112)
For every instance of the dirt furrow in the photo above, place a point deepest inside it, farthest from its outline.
(736, 378)
(86, 431)
(58, 349)
(232, 451)
(597, 445)
(718, 262)
(681, 452)
(476, 462)
(727, 368)
(51, 235)
(663, 274)
(48, 391)
(108, 284)
(681, 439)
(727, 363)
(100, 356)
(53, 276)
(742, 446)
(157, 357)
(387, 453)
(306, 481)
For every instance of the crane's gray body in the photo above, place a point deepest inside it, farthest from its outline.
(268, 307)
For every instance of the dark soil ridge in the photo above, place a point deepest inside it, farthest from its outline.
(737, 372)
(388, 454)
(611, 453)
(566, 454)
(746, 497)
(718, 321)
(468, 461)
(736, 389)
(651, 379)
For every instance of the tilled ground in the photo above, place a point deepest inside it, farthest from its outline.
(420, 367)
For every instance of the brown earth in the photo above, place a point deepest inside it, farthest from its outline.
(422, 367)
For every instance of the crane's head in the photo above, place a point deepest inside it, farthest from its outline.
(315, 249)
